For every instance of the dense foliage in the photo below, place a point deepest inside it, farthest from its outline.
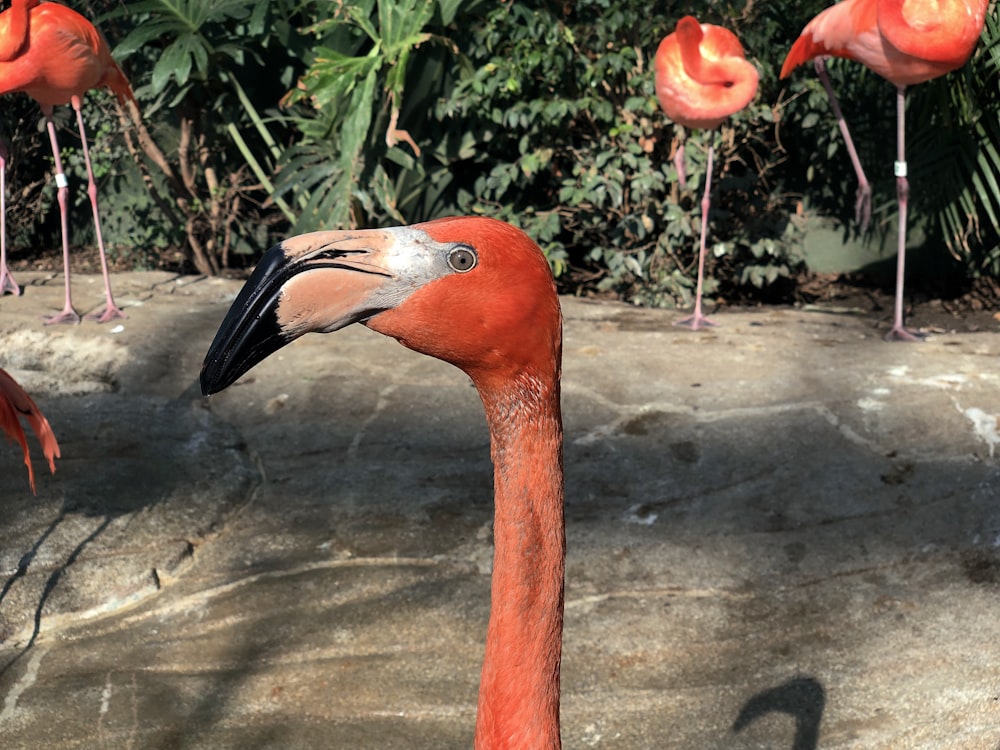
(260, 117)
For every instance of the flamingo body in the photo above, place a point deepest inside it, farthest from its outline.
(16, 403)
(479, 294)
(63, 55)
(55, 55)
(701, 78)
(904, 42)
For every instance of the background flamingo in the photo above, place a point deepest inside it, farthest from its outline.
(16, 403)
(414, 283)
(905, 45)
(55, 55)
(701, 79)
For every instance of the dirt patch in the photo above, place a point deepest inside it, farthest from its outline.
(967, 310)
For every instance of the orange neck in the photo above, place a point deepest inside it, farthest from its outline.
(944, 32)
(14, 29)
(519, 690)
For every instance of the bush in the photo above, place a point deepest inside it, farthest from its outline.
(546, 118)
(206, 153)
(260, 115)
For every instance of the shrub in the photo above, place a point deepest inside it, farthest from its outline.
(206, 153)
(535, 111)
(571, 144)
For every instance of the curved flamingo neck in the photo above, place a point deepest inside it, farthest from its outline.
(14, 29)
(713, 58)
(519, 689)
(942, 31)
(689, 36)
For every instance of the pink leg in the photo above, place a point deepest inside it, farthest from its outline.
(679, 165)
(7, 283)
(697, 320)
(898, 331)
(111, 311)
(863, 201)
(68, 314)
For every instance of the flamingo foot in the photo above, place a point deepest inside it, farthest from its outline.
(863, 206)
(7, 284)
(900, 333)
(68, 315)
(110, 312)
(696, 321)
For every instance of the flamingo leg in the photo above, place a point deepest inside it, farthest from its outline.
(68, 314)
(679, 165)
(111, 311)
(898, 331)
(697, 320)
(863, 201)
(7, 283)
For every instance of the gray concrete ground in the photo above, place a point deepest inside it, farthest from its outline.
(783, 533)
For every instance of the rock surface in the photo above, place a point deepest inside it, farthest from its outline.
(782, 533)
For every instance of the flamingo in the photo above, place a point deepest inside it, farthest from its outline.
(702, 77)
(55, 55)
(14, 403)
(477, 293)
(906, 42)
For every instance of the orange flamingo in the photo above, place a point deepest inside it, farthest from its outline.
(702, 77)
(413, 283)
(15, 403)
(55, 55)
(905, 42)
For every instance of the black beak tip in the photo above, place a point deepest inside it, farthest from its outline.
(250, 330)
(246, 337)
(215, 376)
(209, 380)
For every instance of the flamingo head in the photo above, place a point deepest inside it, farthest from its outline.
(472, 291)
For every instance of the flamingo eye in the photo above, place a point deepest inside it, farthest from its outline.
(462, 258)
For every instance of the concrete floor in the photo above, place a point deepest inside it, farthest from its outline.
(782, 533)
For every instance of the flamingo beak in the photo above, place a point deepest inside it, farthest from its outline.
(322, 282)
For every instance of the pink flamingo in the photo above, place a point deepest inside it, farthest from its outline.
(906, 42)
(55, 55)
(702, 77)
(477, 293)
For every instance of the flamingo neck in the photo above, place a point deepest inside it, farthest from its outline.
(519, 689)
(945, 31)
(14, 29)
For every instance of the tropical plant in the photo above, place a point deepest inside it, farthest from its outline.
(956, 126)
(570, 143)
(540, 112)
(198, 54)
(348, 165)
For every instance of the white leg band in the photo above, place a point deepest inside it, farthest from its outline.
(899, 168)
(61, 180)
